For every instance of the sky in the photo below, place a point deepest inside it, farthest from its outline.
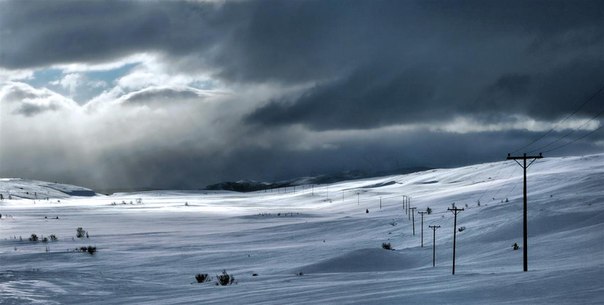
(123, 95)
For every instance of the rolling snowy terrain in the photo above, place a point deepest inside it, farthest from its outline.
(316, 245)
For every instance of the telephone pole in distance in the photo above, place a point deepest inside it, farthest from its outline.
(433, 244)
(455, 211)
(422, 229)
(412, 210)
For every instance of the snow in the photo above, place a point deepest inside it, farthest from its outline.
(32, 189)
(149, 252)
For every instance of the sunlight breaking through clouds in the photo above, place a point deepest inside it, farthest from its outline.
(241, 88)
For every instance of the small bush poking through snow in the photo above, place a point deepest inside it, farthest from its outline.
(90, 249)
(225, 279)
(202, 277)
(33, 238)
(80, 233)
(53, 237)
(386, 246)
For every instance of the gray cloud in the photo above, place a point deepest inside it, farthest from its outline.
(27, 101)
(512, 85)
(360, 65)
(368, 99)
(162, 96)
(193, 168)
(28, 109)
(296, 41)
(365, 99)
(260, 40)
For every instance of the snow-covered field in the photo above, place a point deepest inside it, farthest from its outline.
(148, 252)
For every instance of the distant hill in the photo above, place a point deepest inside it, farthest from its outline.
(253, 186)
(17, 188)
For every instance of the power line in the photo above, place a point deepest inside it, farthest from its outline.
(575, 140)
(571, 132)
(500, 188)
(511, 191)
(566, 118)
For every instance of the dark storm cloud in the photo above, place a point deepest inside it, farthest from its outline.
(365, 99)
(146, 168)
(374, 63)
(289, 40)
(512, 85)
(547, 95)
(380, 63)
(368, 99)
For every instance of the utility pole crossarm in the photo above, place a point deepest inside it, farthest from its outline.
(510, 157)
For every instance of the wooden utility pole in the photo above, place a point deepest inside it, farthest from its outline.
(433, 244)
(455, 210)
(412, 210)
(422, 230)
(525, 216)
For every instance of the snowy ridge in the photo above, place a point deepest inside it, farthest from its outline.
(18, 188)
(319, 246)
(251, 186)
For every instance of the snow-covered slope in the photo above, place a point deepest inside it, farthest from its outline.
(18, 188)
(319, 245)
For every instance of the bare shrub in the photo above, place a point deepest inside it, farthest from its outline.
(202, 277)
(224, 279)
(90, 249)
(80, 233)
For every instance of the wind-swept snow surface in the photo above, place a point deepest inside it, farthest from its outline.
(318, 245)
